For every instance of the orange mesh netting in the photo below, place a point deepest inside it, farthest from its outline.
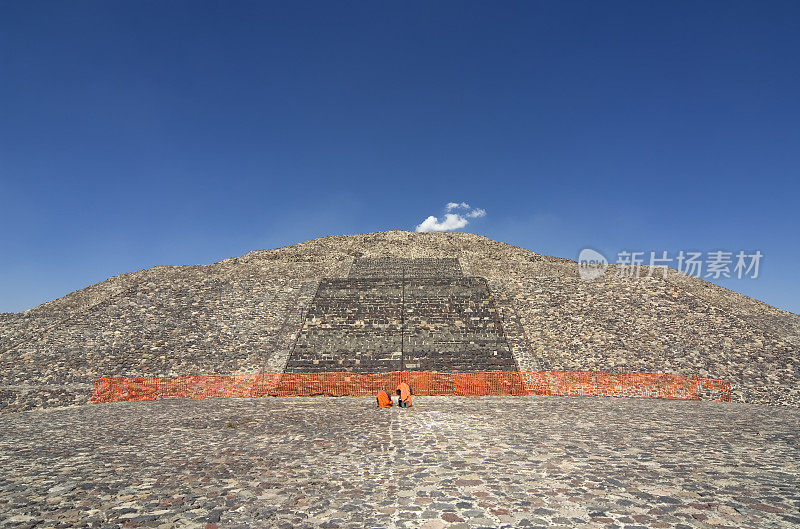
(686, 387)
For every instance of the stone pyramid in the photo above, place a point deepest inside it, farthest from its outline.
(394, 301)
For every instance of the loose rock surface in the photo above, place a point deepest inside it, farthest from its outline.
(447, 462)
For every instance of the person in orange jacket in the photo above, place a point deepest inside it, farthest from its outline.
(404, 390)
(384, 400)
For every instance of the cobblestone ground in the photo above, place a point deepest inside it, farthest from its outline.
(447, 462)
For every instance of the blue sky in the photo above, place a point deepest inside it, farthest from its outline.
(135, 134)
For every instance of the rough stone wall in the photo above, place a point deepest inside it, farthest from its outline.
(774, 321)
(223, 318)
(648, 326)
(673, 324)
(516, 336)
(19, 328)
(391, 267)
(351, 325)
(452, 325)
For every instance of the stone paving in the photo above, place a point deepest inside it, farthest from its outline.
(447, 462)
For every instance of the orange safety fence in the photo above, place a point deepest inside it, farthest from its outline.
(641, 385)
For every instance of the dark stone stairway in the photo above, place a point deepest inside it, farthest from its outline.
(402, 314)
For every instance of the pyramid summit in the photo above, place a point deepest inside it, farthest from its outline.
(394, 301)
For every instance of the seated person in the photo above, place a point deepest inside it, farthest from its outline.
(384, 400)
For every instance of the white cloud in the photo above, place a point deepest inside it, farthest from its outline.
(451, 221)
(455, 205)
